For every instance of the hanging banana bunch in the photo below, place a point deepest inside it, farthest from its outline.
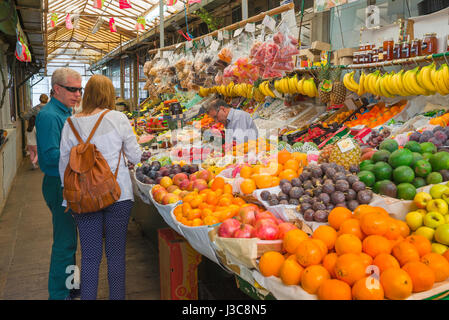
(426, 81)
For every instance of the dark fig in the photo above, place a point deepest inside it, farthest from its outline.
(308, 215)
(296, 182)
(365, 196)
(324, 198)
(352, 178)
(293, 201)
(328, 188)
(307, 184)
(320, 216)
(283, 181)
(358, 186)
(342, 204)
(337, 197)
(305, 206)
(352, 205)
(282, 196)
(350, 195)
(342, 185)
(265, 195)
(273, 202)
(330, 206)
(354, 168)
(318, 206)
(296, 192)
(305, 199)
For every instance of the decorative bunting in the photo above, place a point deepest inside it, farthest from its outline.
(68, 22)
(171, 3)
(124, 4)
(140, 25)
(112, 26)
(53, 20)
(194, 1)
(98, 4)
(22, 52)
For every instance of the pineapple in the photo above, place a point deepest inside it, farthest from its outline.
(338, 94)
(324, 87)
(325, 154)
(348, 158)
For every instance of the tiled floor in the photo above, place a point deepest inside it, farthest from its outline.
(25, 247)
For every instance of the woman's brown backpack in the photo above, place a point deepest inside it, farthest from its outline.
(89, 184)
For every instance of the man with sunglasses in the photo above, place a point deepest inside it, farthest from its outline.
(67, 90)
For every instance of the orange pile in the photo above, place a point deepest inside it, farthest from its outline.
(442, 121)
(288, 166)
(209, 206)
(254, 146)
(377, 116)
(338, 260)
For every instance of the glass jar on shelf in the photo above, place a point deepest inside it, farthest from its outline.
(375, 55)
(380, 54)
(405, 50)
(356, 58)
(397, 49)
(415, 48)
(388, 47)
(429, 44)
(369, 56)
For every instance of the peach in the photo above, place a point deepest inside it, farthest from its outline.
(179, 178)
(156, 188)
(159, 195)
(166, 182)
(205, 175)
(172, 188)
(170, 198)
(199, 184)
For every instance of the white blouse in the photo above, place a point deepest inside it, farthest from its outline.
(113, 132)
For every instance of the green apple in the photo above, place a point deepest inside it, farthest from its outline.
(438, 248)
(442, 234)
(414, 220)
(437, 205)
(422, 199)
(433, 219)
(438, 190)
(425, 232)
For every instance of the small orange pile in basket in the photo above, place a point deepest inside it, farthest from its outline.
(360, 255)
(377, 116)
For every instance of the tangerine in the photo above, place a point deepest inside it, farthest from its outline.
(422, 275)
(246, 172)
(227, 189)
(263, 181)
(322, 246)
(446, 255)
(351, 226)
(217, 183)
(275, 181)
(284, 156)
(438, 264)
(361, 210)
(292, 164)
(421, 243)
(337, 216)
(349, 268)
(333, 289)
(288, 174)
(290, 272)
(374, 223)
(308, 253)
(374, 245)
(326, 234)
(270, 263)
(292, 239)
(329, 261)
(394, 231)
(404, 229)
(348, 243)
(312, 278)
(396, 283)
(405, 252)
(366, 258)
(367, 288)
(248, 186)
(385, 261)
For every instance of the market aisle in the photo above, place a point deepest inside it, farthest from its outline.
(25, 247)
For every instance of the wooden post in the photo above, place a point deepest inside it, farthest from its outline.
(122, 79)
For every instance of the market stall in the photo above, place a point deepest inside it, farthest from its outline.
(347, 199)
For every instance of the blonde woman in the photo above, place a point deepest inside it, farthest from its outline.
(114, 132)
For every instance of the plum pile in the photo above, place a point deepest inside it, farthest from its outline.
(153, 173)
(319, 189)
(377, 137)
(439, 136)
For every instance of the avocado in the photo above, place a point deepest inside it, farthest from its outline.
(403, 174)
(434, 178)
(382, 171)
(406, 191)
(419, 182)
(428, 147)
(422, 168)
(401, 157)
(381, 155)
(416, 157)
(386, 188)
(389, 144)
(413, 146)
(367, 177)
(439, 161)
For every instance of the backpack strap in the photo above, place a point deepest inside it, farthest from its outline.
(118, 164)
(75, 132)
(96, 125)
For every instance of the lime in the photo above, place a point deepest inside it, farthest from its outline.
(416, 157)
(422, 168)
(439, 161)
(413, 146)
(382, 171)
(401, 157)
(428, 147)
(419, 182)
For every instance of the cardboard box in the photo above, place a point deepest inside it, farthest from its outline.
(345, 61)
(178, 263)
(320, 46)
(345, 52)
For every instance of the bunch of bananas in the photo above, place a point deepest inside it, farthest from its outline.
(230, 90)
(264, 88)
(425, 81)
(293, 86)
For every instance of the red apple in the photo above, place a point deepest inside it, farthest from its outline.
(172, 188)
(204, 174)
(156, 188)
(228, 227)
(184, 184)
(199, 184)
(266, 215)
(267, 231)
(159, 195)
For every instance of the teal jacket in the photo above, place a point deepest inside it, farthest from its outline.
(49, 123)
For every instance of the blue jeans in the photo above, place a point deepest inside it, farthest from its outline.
(113, 220)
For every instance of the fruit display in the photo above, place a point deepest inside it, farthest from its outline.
(377, 115)
(418, 81)
(152, 173)
(397, 172)
(254, 222)
(377, 137)
(431, 217)
(439, 136)
(335, 262)
(346, 152)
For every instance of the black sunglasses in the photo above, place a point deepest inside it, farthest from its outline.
(72, 89)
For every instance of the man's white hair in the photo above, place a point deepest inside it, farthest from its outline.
(61, 74)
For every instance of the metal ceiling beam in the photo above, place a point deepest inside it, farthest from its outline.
(80, 14)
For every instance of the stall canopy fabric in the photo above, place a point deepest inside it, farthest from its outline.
(91, 38)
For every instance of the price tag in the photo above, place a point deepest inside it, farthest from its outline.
(269, 22)
(250, 27)
(345, 145)
(167, 54)
(220, 35)
(226, 34)
(238, 32)
(207, 41)
(289, 18)
(214, 45)
(189, 45)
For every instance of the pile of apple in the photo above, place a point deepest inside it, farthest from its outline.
(431, 219)
(171, 190)
(254, 222)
